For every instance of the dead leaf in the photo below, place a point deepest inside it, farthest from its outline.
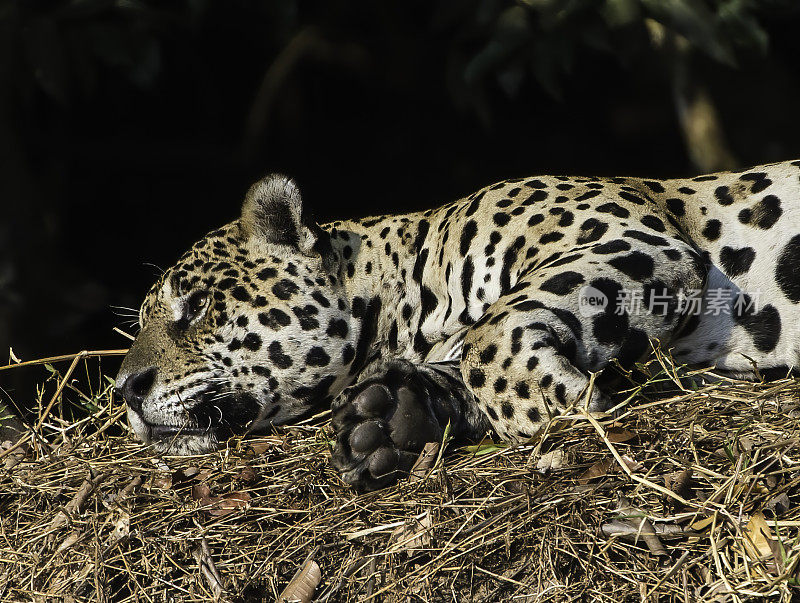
(162, 482)
(200, 491)
(618, 435)
(599, 469)
(205, 561)
(551, 461)
(247, 475)
(702, 524)
(652, 541)
(183, 476)
(415, 534)
(759, 536)
(122, 527)
(233, 500)
(68, 541)
(630, 529)
(304, 582)
(90, 483)
(761, 545)
(779, 504)
(425, 462)
(259, 447)
(680, 482)
(630, 463)
(643, 529)
(15, 452)
(128, 489)
(219, 506)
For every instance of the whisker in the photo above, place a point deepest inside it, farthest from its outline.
(129, 309)
(159, 270)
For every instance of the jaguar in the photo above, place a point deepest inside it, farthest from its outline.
(496, 312)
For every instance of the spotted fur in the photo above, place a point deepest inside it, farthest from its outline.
(272, 315)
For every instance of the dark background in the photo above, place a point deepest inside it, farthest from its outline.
(129, 129)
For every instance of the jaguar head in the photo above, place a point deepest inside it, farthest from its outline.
(251, 327)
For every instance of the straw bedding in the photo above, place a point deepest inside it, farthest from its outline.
(689, 492)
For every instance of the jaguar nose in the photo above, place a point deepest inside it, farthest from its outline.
(137, 386)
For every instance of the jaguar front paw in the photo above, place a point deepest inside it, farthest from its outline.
(381, 427)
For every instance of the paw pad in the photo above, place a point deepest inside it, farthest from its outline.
(380, 430)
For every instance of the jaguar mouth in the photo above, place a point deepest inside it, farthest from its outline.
(210, 415)
(164, 432)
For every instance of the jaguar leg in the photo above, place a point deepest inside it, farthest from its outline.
(529, 356)
(383, 421)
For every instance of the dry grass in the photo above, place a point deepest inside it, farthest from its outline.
(688, 496)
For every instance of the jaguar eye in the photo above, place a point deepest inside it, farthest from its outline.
(195, 304)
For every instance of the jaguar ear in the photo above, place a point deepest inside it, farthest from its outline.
(273, 212)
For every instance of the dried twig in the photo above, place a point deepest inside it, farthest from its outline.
(205, 561)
